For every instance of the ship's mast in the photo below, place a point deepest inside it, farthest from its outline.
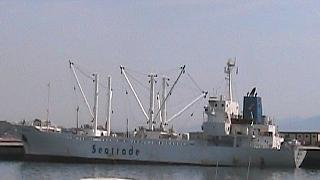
(95, 108)
(159, 104)
(170, 91)
(150, 116)
(151, 109)
(163, 113)
(108, 125)
(48, 106)
(228, 70)
(77, 109)
(162, 103)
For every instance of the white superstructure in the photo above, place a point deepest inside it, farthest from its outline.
(228, 138)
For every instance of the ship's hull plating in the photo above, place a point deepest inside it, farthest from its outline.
(73, 148)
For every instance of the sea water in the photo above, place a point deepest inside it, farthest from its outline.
(38, 170)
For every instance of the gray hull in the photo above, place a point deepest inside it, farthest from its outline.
(73, 147)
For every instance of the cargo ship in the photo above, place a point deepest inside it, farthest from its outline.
(228, 138)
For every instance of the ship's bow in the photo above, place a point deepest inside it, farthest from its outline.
(299, 155)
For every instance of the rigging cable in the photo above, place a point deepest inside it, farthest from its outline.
(127, 105)
(77, 107)
(75, 97)
(169, 71)
(83, 72)
(135, 79)
(194, 82)
(88, 75)
(135, 71)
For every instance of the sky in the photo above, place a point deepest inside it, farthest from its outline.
(275, 43)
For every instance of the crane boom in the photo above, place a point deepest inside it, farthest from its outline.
(81, 90)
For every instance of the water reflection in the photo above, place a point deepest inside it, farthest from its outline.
(34, 171)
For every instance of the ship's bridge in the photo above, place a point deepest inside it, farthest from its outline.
(219, 112)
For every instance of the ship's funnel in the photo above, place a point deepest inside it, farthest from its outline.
(252, 107)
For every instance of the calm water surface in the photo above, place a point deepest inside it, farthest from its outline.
(34, 171)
